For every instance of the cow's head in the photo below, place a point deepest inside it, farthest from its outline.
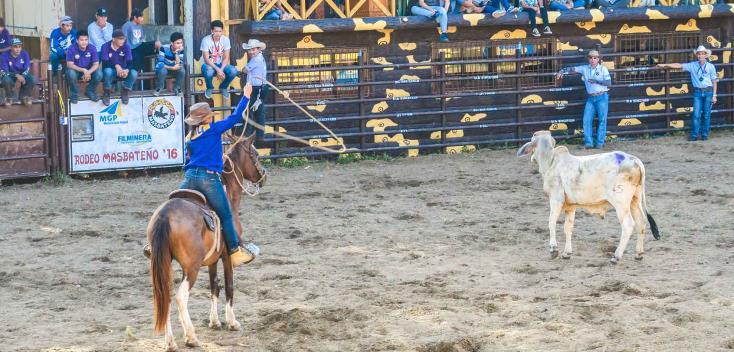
(541, 143)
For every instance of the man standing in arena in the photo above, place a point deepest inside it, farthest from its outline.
(704, 79)
(597, 80)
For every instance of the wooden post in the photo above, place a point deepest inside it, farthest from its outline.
(442, 91)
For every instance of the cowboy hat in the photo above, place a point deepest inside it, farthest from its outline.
(253, 43)
(197, 113)
(700, 49)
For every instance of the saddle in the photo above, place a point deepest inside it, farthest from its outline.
(199, 199)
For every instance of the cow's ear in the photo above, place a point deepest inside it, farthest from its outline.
(526, 149)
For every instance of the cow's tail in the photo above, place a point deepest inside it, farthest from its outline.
(650, 220)
(160, 269)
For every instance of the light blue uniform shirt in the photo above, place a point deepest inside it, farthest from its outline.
(701, 76)
(256, 68)
(599, 74)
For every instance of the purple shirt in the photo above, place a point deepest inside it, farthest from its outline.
(82, 58)
(4, 38)
(123, 56)
(16, 65)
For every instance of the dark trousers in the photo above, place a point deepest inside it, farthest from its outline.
(258, 115)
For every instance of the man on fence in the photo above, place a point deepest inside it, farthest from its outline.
(100, 31)
(704, 79)
(597, 80)
(82, 62)
(116, 64)
(4, 37)
(256, 72)
(62, 38)
(171, 59)
(15, 67)
(215, 60)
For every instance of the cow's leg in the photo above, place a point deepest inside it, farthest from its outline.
(639, 218)
(232, 323)
(567, 230)
(214, 322)
(555, 212)
(182, 300)
(628, 225)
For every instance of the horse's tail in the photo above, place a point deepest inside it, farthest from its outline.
(160, 269)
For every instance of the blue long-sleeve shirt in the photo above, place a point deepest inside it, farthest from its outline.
(60, 41)
(205, 143)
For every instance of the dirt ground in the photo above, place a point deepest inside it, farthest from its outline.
(438, 253)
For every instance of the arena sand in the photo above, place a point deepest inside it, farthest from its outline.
(438, 253)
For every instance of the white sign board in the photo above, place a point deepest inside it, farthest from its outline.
(145, 133)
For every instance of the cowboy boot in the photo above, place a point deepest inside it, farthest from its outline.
(125, 95)
(241, 255)
(106, 97)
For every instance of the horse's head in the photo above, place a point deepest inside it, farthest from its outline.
(246, 163)
(253, 170)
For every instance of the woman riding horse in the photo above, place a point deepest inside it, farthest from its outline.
(203, 171)
(205, 165)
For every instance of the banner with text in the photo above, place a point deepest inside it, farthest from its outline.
(147, 132)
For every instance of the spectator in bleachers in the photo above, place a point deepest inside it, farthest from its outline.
(493, 7)
(100, 31)
(256, 69)
(135, 35)
(704, 79)
(171, 59)
(62, 38)
(533, 8)
(4, 37)
(604, 4)
(82, 62)
(434, 9)
(597, 80)
(565, 5)
(15, 67)
(215, 50)
(117, 60)
(277, 12)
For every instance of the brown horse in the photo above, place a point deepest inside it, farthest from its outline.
(177, 231)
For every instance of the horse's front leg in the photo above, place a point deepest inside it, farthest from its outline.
(214, 322)
(232, 323)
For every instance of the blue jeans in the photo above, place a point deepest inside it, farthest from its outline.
(110, 75)
(72, 78)
(56, 59)
(557, 6)
(210, 185)
(494, 5)
(259, 114)
(543, 15)
(701, 99)
(443, 18)
(230, 72)
(273, 15)
(8, 81)
(596, 105)
(161, 73)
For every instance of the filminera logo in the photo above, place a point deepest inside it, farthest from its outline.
(112, 115)
(135, 138)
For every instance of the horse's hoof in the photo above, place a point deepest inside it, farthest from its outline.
(614, 260)
(192, 342)
(566, 255)
(638, 256)
(234, 326)
(215, 325)
(172, 347)
(554, 253)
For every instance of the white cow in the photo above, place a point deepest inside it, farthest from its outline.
(595, 183)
